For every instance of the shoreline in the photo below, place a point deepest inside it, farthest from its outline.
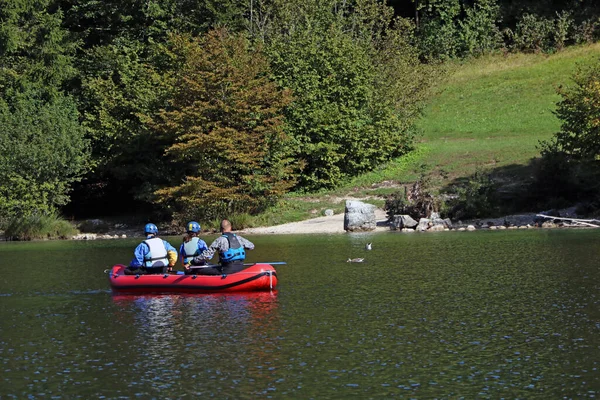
(325, 224)
(334, 224)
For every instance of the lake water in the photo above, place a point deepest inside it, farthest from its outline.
(498, 314)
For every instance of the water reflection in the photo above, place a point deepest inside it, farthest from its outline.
(482, 315)
(180, 332)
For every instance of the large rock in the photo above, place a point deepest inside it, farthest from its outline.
(359, 216)
(403, 221)
(424, 224)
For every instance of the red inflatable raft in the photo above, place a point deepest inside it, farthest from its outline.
(257, 277)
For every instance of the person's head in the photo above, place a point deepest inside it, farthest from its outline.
(225, 226)
(193, 228)
(150, 230)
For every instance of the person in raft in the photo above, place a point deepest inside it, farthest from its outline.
(232, 252)
(191, 247)
(153, 255)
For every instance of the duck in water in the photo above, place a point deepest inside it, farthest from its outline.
(368, 246)
(355, 260)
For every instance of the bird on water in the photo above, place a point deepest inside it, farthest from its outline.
(355, 260)
(368, 246)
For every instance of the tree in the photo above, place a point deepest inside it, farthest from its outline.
(35, 51)
(579, 112)
(568, 169)
(357, 83)
(43, 151)
(42, 145)
(225, 120)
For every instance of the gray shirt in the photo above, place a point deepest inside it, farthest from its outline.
(221, 244)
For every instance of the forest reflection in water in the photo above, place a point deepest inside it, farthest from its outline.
(482, 314)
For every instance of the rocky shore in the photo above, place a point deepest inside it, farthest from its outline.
(371, 219)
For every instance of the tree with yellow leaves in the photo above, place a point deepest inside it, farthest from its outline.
(225, 122)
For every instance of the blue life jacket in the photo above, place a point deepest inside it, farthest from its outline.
(236, 251)
(191, 250)
(157, 256)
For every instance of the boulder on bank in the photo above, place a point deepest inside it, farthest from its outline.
(359, 216)
(402, 222)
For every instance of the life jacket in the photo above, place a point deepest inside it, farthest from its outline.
(157, 256)
(236, 251)
(191, 250)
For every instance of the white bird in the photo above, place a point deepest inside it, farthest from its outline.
(368, 246)
(355, 260)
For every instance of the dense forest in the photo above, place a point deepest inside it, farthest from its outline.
(203, 108)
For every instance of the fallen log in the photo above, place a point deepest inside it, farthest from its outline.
(586, 222)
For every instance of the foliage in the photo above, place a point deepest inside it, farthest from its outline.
(450, 29)
(357, 83)
(475, 198)
(438, 32)
(562, 26)
(36, 53)
(101, 23)
(417, 201)
(120, 85)
(479, 32)
(42, 152)
(44, 225)
(225, 119)
(579, 112)
(569, 169)
(532, 34)
(587, 31)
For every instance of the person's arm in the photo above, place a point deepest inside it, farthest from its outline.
(246, 243)
(171, 254)
(138, 255)
(209, 253)
(182, 254)
(202, 246)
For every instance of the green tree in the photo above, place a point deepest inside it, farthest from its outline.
(121, 84)
(43, 151)
(225, 120)
(35, 51)
(579, 112)
(124, 76)
(569, 168)
(357, 84)
(42, 145)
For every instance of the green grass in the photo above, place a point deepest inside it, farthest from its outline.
(39, 226)
(493, 112)
(489, 113)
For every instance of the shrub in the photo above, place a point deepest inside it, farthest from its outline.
(562, 25)
(39, 226)
(240, 221)
(476, 198)
(579, 112)
(479, 32)
(531, 34)
(416, 202)
(587, 31)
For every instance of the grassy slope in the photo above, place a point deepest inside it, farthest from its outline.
(492, 112)
(489, 113)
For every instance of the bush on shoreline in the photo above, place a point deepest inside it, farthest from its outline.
(39, 226)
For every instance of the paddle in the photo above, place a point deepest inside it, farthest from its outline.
(272, 263)
(247, 264)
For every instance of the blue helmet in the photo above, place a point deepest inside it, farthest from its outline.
(193, 226)
(150, 228)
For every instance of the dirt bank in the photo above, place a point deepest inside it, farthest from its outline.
(328, 224)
